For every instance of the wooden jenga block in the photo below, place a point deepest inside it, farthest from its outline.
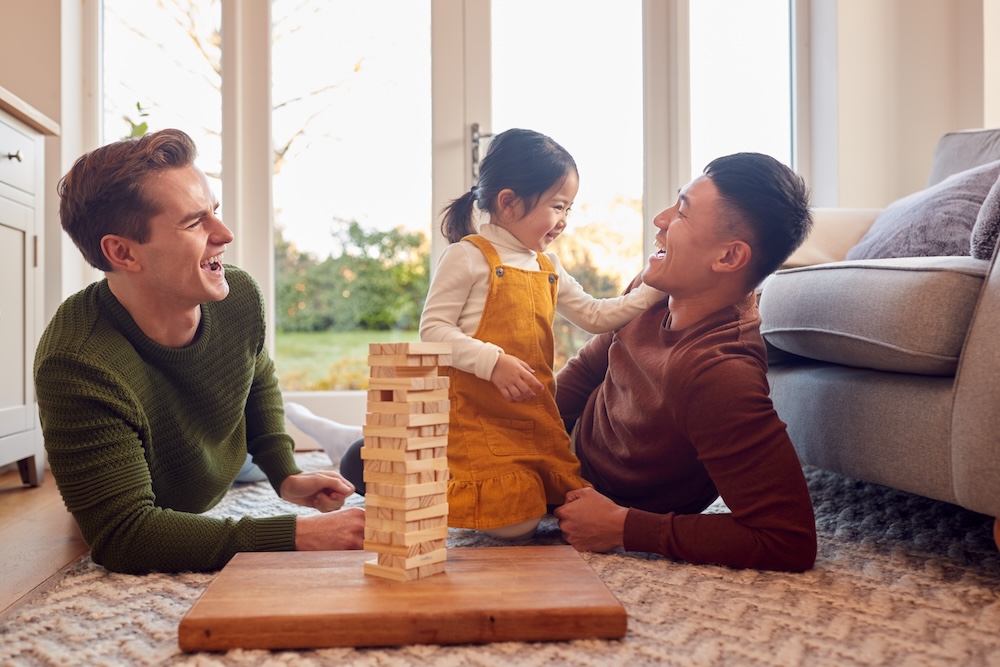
(400, 372)
(428, 570)
(372, 500)
(412, 537)
(403, 467)
(413, 491)
(396, 574)
(374, 418)
(411, 562)
(409, 384)
(405, 551)
(376, 453)
(410, 444)
(420, 395)
(400, 408)
(405, 478)
(421, 347)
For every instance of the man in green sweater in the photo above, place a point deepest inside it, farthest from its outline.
(154, 384)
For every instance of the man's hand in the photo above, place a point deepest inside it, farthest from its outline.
(515, 379)
(324, 490)
(591, 522)
(335, 531)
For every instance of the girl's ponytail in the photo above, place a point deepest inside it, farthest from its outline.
(457, 222)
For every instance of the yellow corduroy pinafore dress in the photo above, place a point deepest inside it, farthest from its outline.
(509, 460)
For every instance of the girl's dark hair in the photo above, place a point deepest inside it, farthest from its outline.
(527, 162)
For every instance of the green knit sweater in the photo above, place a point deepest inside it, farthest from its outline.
(142, 438)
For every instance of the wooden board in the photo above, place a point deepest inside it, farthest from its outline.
(320, 599)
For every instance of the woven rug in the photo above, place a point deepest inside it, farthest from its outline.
(900, 580)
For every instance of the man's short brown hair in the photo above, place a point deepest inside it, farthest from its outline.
(103, 193)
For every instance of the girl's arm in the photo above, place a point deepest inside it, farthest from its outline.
(595, 315)
(454, 307)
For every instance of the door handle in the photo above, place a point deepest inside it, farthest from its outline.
(476, 136)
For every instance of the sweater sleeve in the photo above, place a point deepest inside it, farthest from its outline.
(450, 314)
(94, 433)
(581, 375)
(271, 447)
(749, 457)
(595, 315)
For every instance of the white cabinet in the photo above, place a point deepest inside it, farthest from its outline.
(21, 222)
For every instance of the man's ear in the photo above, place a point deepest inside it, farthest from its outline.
(736, 257)
(118, 251)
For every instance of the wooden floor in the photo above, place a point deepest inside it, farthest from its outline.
(38, 537)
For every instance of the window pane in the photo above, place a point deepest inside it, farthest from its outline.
(352, 184)
(162, 69)
(572, 69)
(740, 79)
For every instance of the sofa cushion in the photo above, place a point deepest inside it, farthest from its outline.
(987, 227)
(932, 222)
(908, 315)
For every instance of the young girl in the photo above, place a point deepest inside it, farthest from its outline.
(493, 297)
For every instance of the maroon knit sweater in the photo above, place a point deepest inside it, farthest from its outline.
(670, 420)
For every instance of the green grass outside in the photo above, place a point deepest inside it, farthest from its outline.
(325, 360)
(332, 360)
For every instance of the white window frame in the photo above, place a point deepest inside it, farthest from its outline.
(460, 97)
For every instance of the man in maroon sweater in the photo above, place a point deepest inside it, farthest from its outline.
(672, 410)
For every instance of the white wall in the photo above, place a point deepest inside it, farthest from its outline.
(890, 77)
(41, 61)
(991, 60)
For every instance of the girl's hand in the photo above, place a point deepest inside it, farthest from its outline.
(515, 379)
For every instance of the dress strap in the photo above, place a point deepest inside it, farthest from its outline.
(492, 256)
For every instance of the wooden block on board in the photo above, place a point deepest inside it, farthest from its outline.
(419, 396)
(412, 562)
(399, 408)
(433, 511)
(407, 432)
(393, 453)
(405, 479)
(406, 551)
(405, 539)
(409, 444)
(401, 460)
(401, 360)
(402, 528)
(373, 500)
(396, 574)
(405, 492)
(400, 372)
(409, 384)
(406, 419)
(412, 537)
(414, 347)
(375, 464)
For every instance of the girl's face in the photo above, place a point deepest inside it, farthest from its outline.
(540, 226)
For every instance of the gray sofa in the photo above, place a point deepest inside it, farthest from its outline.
(888, 370)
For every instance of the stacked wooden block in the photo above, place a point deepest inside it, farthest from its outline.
(406, 460)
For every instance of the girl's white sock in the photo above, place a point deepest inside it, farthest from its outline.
(332, 436)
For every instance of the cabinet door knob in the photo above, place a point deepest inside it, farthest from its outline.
(15, 156)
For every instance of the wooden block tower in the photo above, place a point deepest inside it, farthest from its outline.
(406, 460)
